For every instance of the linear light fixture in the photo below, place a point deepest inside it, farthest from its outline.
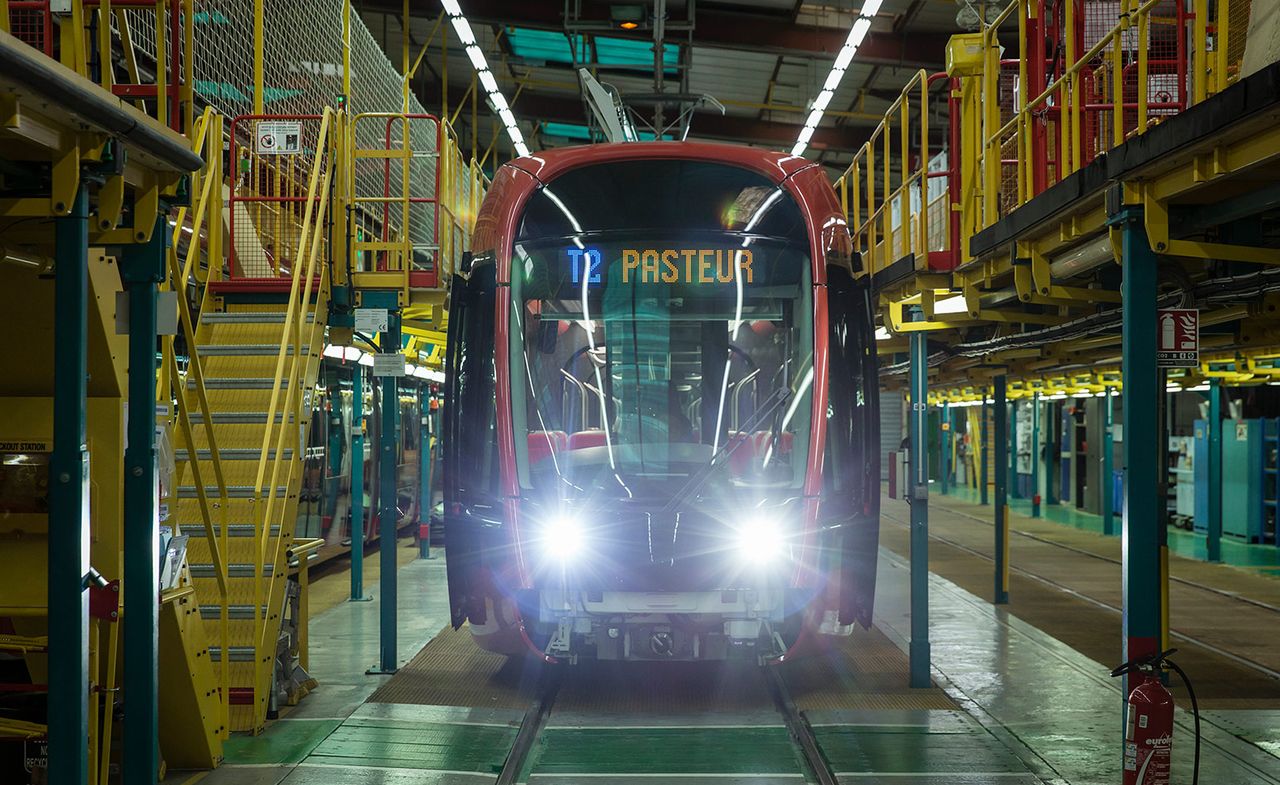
(843, 58)
(487, 80)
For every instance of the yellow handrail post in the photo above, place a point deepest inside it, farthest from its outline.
(1200, 57)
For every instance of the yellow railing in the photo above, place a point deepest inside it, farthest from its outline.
(1102, 96)
(309, 272)
(879, 195)
(453, 193)
(205, 221)
(1114, 81)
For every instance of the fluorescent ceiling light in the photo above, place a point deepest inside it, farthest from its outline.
(490, 84)
(882, 334)
(845, 57)
(857, 33)
(463, 29)
(950, 305)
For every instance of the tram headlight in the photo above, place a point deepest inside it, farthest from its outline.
(562, 538)
(760, 540)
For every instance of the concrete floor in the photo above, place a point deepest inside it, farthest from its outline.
(1053, 708)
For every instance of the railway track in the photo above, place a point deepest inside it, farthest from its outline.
(520, 763)
(1102, 604)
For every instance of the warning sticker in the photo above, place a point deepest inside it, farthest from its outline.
(278, 137)
(1178, 338)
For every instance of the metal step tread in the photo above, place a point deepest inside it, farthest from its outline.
(245, 349)
(243, 418)
(238, 570)
(248, 317)
(232, 454)
(234, 530)
(239, 383)
(233, 491)
(214, 611)
(238, 653)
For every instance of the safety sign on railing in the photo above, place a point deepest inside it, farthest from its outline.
(1178, 338)
(278, 137)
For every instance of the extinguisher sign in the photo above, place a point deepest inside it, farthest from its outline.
(1178, 338)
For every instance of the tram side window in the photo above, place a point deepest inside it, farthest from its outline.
(476, 422)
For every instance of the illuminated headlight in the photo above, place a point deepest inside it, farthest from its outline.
(760, 540)
(562, 539)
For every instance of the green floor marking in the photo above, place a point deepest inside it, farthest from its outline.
(287, 741)
(416, 745)
(859, 749)
(665, 751)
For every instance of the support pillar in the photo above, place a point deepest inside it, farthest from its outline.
(1012, 467)
(985, 445)
(919, 495)
(1108, 451)
(945, 452)
(142, 268)
(357, 484)
(1035, 455)
(424, 465)
(1141, 583)
(1213, 541)
(68, 715)
(388, 514)
(1052, 452)
(1002, 501)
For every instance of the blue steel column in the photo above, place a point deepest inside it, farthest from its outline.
(919, 490)
(424, 465)
(69, 503)
(946, 447)
(1213, 541)
(1035, 455)
(1012, 468)
(357, 483)
(1141, 534)
(141, 269)
(1002, 485)
(1108, 450)
(983, 433)
(388, 515)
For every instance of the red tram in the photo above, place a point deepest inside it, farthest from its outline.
(661, 425)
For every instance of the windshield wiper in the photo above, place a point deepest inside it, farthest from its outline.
(730, 446)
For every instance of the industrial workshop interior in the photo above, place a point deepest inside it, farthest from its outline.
(570, 392)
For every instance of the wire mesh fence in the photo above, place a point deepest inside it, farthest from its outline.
(302, 74)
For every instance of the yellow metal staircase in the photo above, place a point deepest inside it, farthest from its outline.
(244, 413)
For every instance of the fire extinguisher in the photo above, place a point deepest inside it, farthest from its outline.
(1148, 738)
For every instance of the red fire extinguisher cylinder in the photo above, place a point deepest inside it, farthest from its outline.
(1148, 745)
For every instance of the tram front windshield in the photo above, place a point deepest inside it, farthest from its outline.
(661, 333)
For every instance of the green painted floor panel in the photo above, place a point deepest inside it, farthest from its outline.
(423, 745)
(907, 751)
(288, 741)
(649, 751)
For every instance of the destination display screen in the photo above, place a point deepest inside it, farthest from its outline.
(704, 268)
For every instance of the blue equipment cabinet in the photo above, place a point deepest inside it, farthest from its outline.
(1200, 465)
(1243, 452)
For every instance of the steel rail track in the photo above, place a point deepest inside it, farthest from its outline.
(799, 728)
(1245, 661)
(534, 720)
(1100, 557)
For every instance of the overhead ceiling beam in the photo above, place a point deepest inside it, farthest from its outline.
(715, 28)
(557, 108)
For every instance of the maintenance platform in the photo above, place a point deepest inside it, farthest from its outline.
(639, 391)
